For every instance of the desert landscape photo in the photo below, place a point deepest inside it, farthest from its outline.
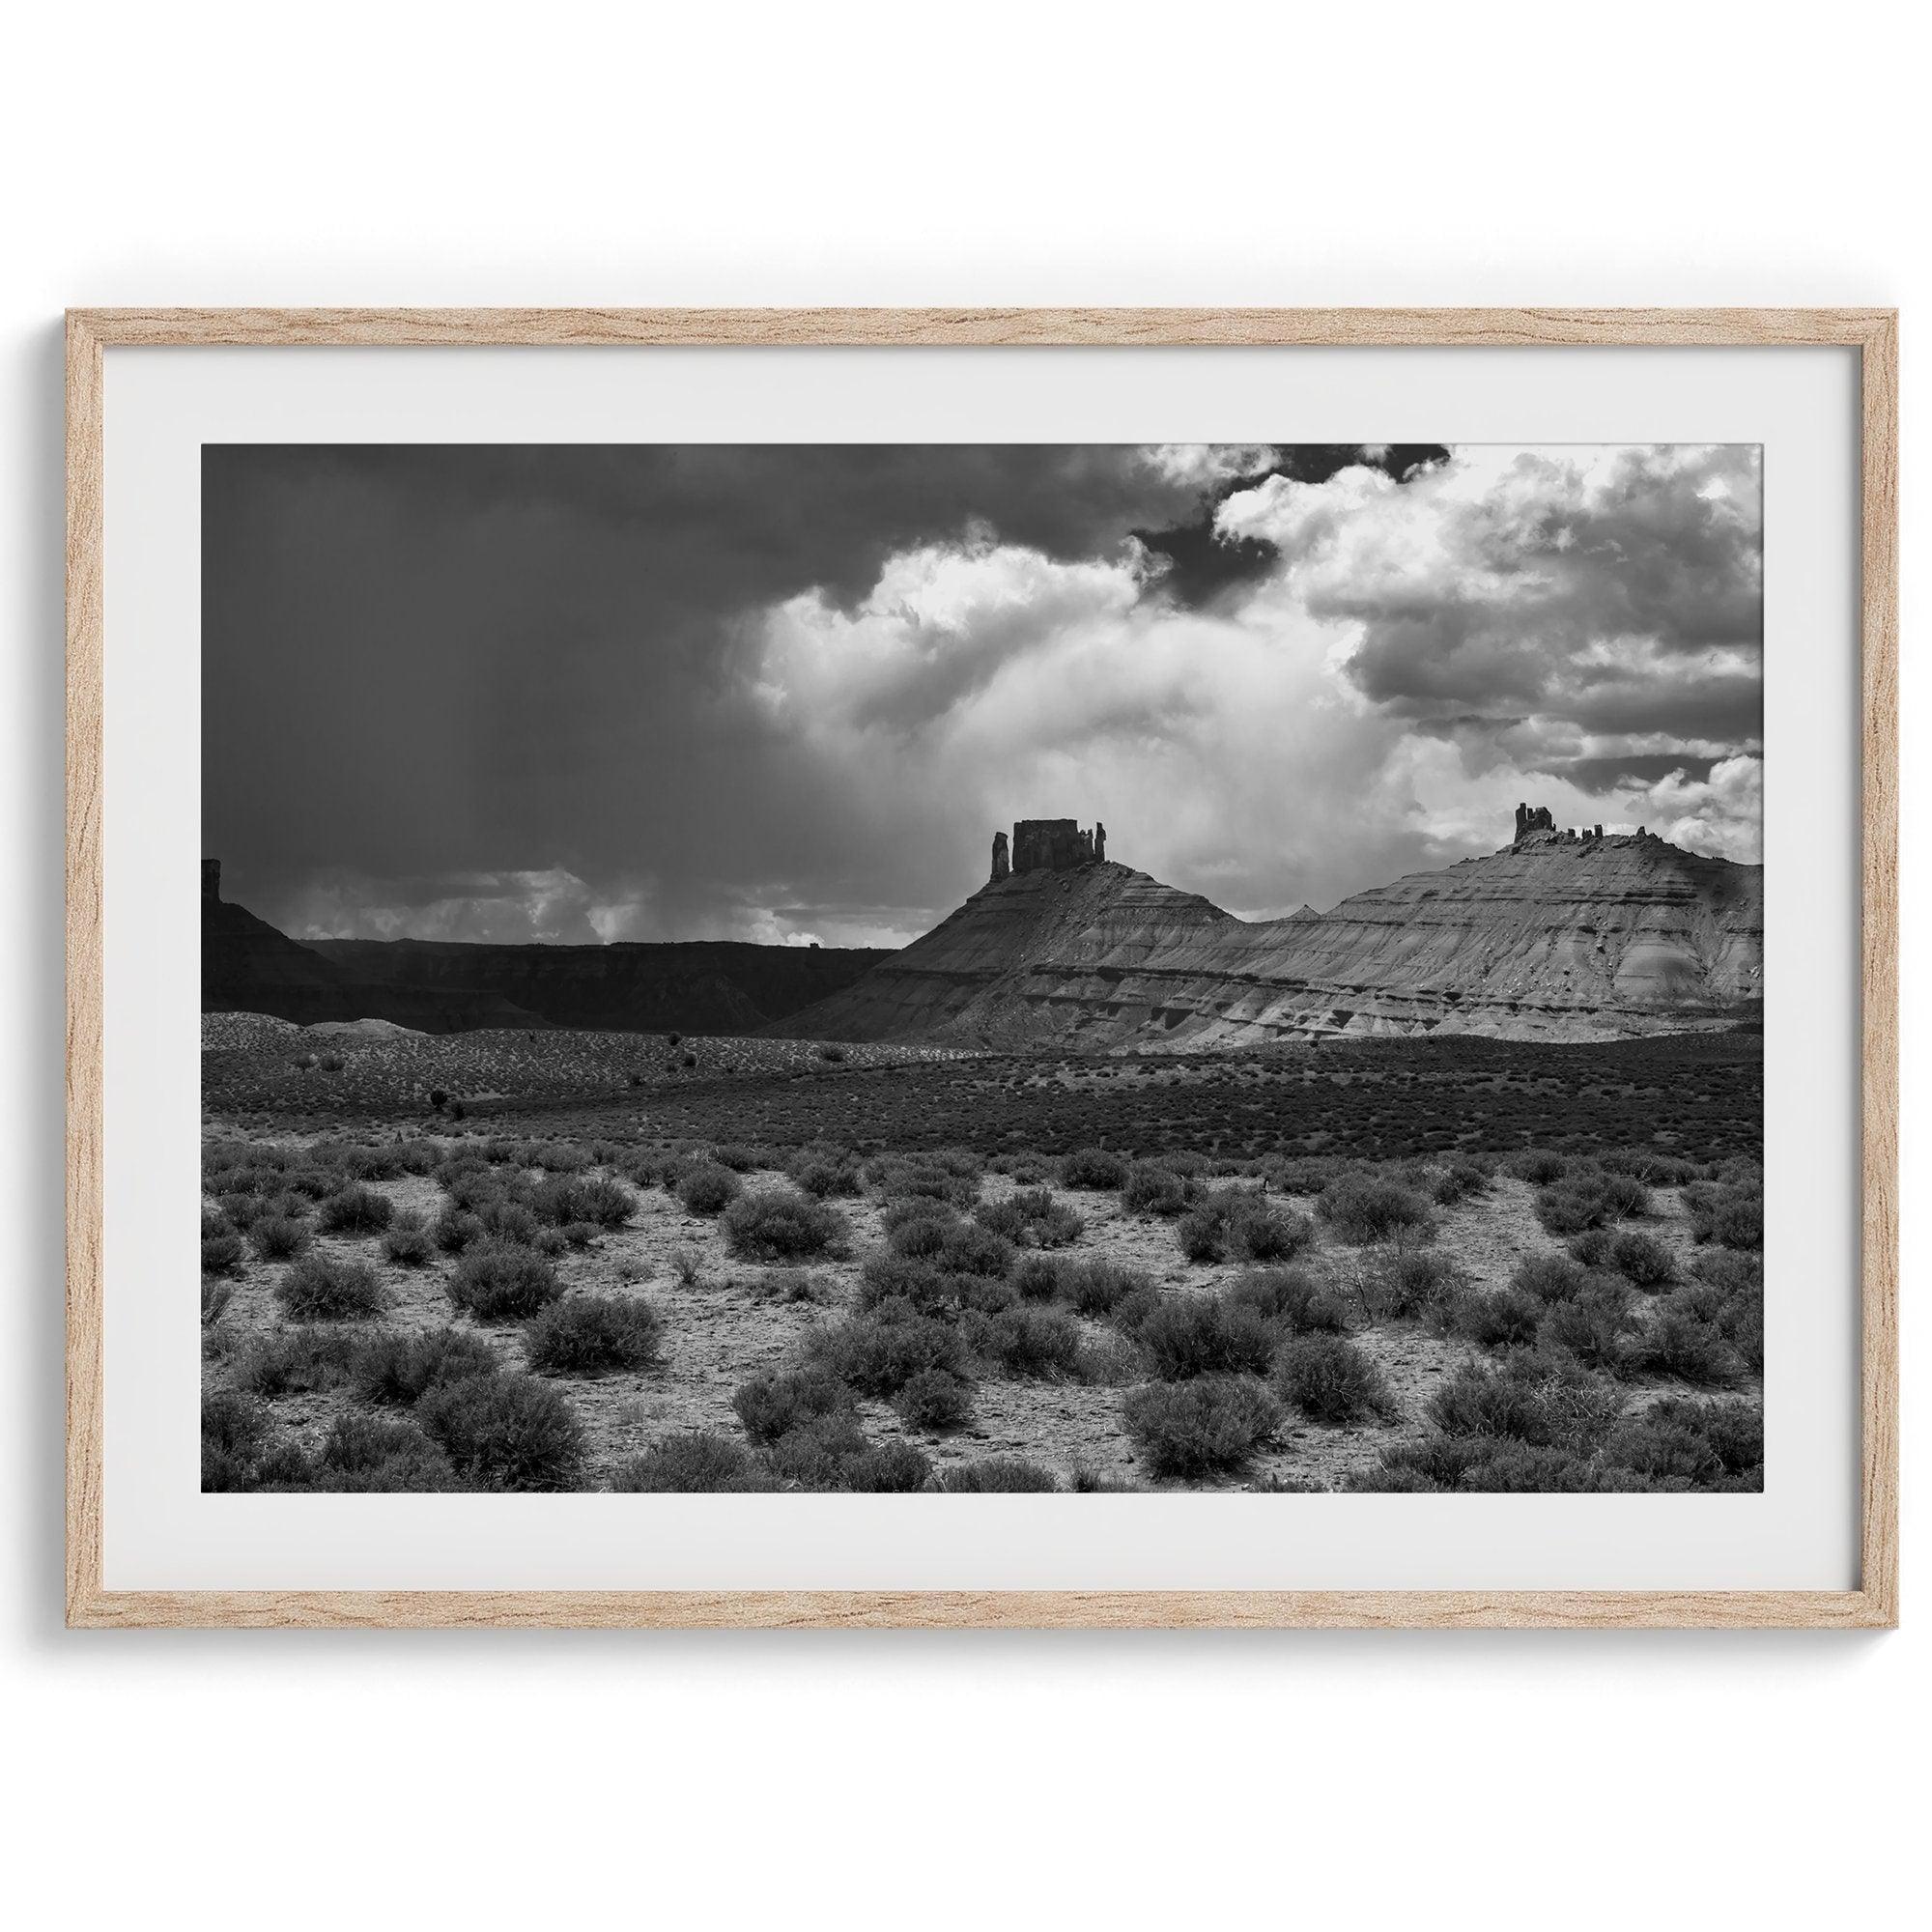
(988, 968)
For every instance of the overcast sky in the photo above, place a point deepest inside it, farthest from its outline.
(608, 692)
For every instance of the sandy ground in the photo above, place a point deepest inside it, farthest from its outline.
(722, 1324)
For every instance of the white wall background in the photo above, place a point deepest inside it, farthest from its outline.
(845, 154)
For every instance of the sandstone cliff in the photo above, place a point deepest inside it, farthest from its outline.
(248, 966)
(1551, 938)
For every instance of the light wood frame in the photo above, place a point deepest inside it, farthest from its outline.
(1872, 332)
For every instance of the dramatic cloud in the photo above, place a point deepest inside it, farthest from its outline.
(785, 693)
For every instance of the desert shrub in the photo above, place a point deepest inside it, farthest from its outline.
(408, 1243)
(1406, 1284)
(1086, 1482)
(509, 1431)
(216, 1296)
(949, 1177)
(817, 1455)
(233, 1431)
(783, 1225)
(707, 1190)
(880, 1352)
(1037, 1277)
(1152, 1189)
(1458, 1182)
(1729, 1272)
(587, 1334)
(1110, 1361)
(394, 1370)
(1030, 1218)
(1290, 1298)
(1533, 1397)
(357, 1211)
(1536, 1165)
(1678, 1344)
(795, 1285)
(776, 1403)
(316, 1289)
(1202, 1234)
(1261, 1233)
(1594, 1326)
(1306, 1175)
(1363, 1208)
(1550, 1278)
(823, 1171)
(330, 1062)
(1569, 1208)
(996, 1475)
(1647, 1164)
(1592, 1247)
(1640, 1259)
(886, 1469)
(220, 1252)
(1098, 1287)
(499, 1281)
(310, 1180)
(1489, 1464)
(240, 1211)
(1094, 1168)
(967, 1249)
(501, 1218)
(1518, 1468)
(357, 1160)
(1037, 1343)
(455, 1231)
(293, 1361)
(1681, 1440)
(1588, 1198)
(921, 1221)
(1506, 1318)
(739, 1158)
(1729, 1216)
(906, 1278)
(379, 1454)
(1740, 1323)
(1332, 1381)
(1200, 1427)
(278, 1237)
(564, 1200)
(831, 1053)
(936, 1400)
(699, 1463)
(1189, 1335)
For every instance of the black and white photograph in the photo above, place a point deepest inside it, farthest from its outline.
(947, 969)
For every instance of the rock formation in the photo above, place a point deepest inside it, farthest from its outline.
(248, 966)
(1052, 845)
(1557, 936)
(1001, 869)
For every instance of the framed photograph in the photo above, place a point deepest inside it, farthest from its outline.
(1003, 968)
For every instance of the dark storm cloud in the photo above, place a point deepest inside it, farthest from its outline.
(423, 661)
(1602, 776)
(1203, 561)
(605, 692)
(1504, 584)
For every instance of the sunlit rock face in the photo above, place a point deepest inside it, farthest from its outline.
(1561, 936)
